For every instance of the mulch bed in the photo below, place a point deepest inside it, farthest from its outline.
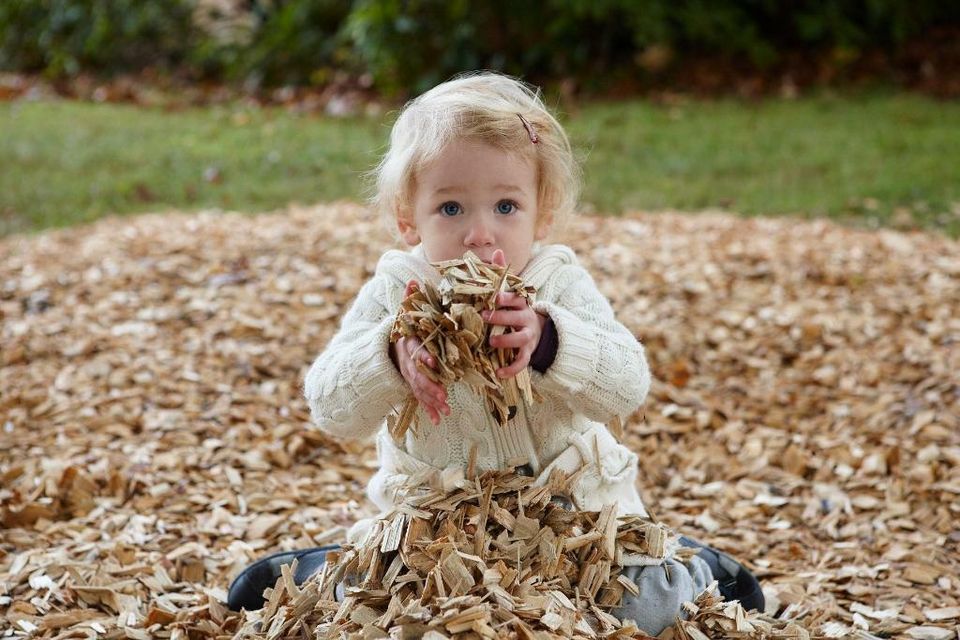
(153, 441)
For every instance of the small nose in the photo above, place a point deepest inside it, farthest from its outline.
(479, 235)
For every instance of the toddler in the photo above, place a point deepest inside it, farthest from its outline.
(478, 164)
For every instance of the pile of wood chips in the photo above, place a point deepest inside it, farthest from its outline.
(805, 414)
(494, 558)
(712, 617)
(447, 321)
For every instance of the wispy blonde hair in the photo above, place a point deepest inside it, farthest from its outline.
(487, 107)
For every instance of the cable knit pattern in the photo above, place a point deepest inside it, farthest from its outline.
(600, 369)
(599, 372)
(353, 384)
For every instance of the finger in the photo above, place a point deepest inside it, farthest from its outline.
(508, 318)
(417, 374)
(514, 340)
(431, 403)
(430, 388)
(411, 287)
(425, 398)
(512, 300)
(431, 413)
(442, 408)
(434, 393)
(429, 374)
(409, 345)
(416, 351)
(424, 356)
(518, 365)
(498, 258)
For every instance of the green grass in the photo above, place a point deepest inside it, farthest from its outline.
(874, 159)
(877, 159)
(70, 162)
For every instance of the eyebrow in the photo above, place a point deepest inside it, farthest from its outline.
(497, 187)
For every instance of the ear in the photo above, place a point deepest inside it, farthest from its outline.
(408, 231)
(543, 227)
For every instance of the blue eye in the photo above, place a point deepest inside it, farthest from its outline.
(450, 208)
(506, 207)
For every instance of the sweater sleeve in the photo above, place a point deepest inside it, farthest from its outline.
(353, 384)
(600, 369)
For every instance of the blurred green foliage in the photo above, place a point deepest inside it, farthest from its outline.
(66, 37)
(408, 45)
(296, 42)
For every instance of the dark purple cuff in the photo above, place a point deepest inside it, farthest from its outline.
(546, 351)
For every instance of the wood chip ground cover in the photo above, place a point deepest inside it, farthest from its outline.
(806, 414)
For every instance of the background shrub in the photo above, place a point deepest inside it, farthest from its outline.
(66, 37)
(273, 43)
(408, 45)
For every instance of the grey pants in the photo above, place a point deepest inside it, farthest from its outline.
(662, 590)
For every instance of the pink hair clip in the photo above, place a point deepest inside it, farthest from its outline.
(529, 127)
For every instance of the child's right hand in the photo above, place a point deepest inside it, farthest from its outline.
(431, 396)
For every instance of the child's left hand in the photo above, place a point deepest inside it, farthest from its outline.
(514, 311)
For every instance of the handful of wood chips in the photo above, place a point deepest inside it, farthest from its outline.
(491, 558)
(447, 320)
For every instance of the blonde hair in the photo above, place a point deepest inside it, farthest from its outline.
(488, 107)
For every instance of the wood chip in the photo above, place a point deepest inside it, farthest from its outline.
(504, 590)
(805, 396)
(448, 322)
(945, 613)
(931, 633)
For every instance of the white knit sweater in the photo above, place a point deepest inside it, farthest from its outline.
(599, 372)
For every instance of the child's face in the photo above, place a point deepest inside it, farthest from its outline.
(475, 197)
